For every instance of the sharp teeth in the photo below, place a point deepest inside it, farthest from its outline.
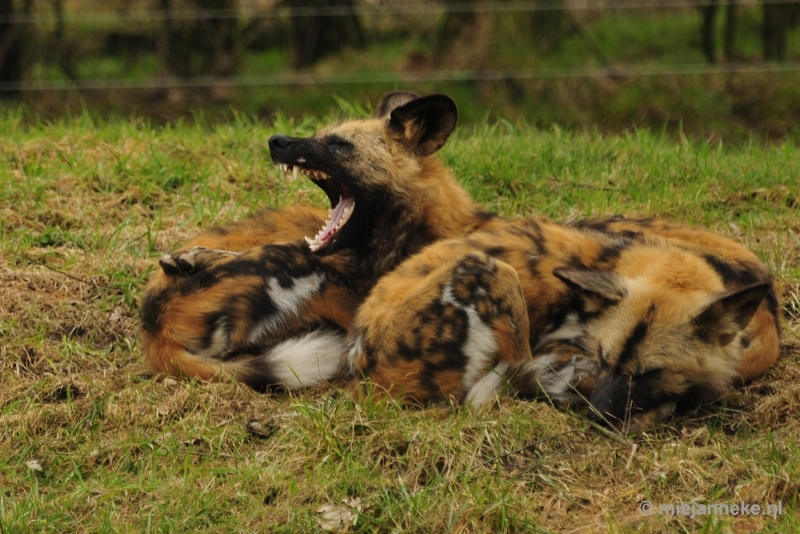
(295, 170)
(315, 174)
(313, 244)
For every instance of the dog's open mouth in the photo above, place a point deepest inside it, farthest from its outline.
(342, 204)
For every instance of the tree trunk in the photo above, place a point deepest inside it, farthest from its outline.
(10, 51)
(198, 47)
(731, 25)
(774, 29)
(550, 26)
(709, 31)
(312, 37)
(63, 49)
(464, 40)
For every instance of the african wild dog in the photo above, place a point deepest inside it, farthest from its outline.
(264, 302)
(631, 315)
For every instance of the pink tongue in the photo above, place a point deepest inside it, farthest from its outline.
(338, 211)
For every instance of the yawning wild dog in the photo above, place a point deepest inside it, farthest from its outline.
(269, 299)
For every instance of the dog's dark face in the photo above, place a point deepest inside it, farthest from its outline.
(375, 172)
(659, 339)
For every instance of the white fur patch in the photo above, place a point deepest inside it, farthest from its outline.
(555, 384)
(487, 387)
(356, 347)
(305, 361)
(480, 346)
(585, 366)
(571, 328)
(287, 301)
(220, 341)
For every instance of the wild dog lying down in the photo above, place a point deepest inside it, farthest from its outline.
(632, 316)
(254, 301)
(599, 306)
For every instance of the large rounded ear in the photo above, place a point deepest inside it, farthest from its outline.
(392, 101)
(424, 124)
(728, 313)
(597, 289)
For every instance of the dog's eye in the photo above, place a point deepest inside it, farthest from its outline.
(651, 374)
(335, 141)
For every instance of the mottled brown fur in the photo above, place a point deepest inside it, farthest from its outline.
(589, 289)
(203, 315)
(631, 315)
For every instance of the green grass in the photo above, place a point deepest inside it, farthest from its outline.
(90, 441)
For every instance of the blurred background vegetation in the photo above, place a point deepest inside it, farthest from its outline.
(704, 68)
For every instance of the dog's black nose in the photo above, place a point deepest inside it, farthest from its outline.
(277, 142)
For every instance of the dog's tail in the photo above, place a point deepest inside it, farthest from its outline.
(299, 362)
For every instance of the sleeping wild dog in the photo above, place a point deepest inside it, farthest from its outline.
(408, 284)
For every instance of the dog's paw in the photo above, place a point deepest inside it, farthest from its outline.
(191, 261)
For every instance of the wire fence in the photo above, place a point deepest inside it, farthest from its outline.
(61, 18)
(393, 78)
(141, 15)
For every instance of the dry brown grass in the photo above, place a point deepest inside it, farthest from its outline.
(91, 441)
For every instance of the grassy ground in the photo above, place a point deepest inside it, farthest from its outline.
(90, 441)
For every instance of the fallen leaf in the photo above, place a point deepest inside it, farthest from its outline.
(335, 516)
(34, 465)
(169, 382)
(259, 429)
(117, 315)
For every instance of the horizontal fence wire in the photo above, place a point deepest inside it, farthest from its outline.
(360, 9)
(405, 77)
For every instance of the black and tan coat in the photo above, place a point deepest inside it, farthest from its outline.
(408, 284)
